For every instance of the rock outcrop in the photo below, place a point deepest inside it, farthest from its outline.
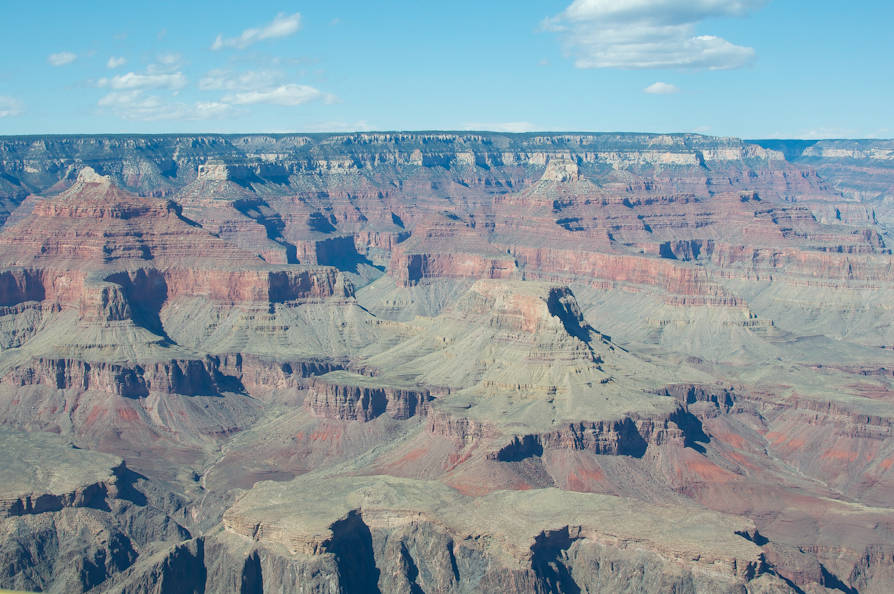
(73, 520)
(392, 534)
(352, 397)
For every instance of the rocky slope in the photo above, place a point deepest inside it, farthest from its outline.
(446, 362)
(72, 520)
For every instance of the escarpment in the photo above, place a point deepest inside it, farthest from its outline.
(75, 479)
(445, 362)
(187, 377)
(387, 520)
(53, 496)
(340, 396)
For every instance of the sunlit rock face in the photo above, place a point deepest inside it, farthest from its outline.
(446, 362)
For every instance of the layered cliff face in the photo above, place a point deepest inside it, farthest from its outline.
(420, 535)
(446, 362)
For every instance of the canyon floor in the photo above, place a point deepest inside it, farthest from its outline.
(446, 362)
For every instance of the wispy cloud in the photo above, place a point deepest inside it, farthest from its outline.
(282, 25)
(634, 34)
(227, 80)
(825, 132)
(166, 63)
(515, 127)
(137, 105)
(169, 59)
(116, 62)
(289, 95)
(61, 58)
(661, 88)
(132, 80)
(9, 106)
(254, 87)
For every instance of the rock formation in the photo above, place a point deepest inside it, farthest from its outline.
(446, 362)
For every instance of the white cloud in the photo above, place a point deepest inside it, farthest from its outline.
(661, 88)
(9, 107)
(61, 58)
(227, 80)
(135, 104)
(282, 25)
(634, 34)
(165, 64)
(290, 94)
(212, 109)
(116, 62)
(515, 127)
(169, 59)
(132, 80)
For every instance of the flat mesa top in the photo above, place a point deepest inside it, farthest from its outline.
(294, 512)
(39, 463)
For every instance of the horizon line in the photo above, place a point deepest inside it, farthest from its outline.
(442, 131)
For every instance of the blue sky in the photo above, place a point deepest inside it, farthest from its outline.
(748, 68)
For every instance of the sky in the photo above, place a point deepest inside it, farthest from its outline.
(746, 68)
